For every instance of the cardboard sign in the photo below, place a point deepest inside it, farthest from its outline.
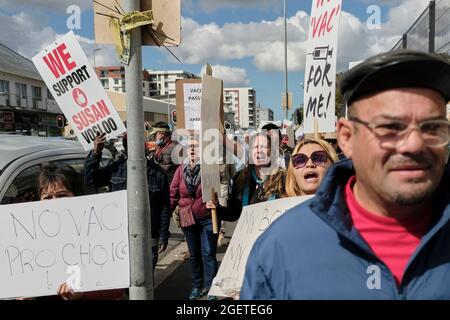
(82, 241)
(77, 90)
(189, 102)
(320, 70)
(211, 132)
(254, 220)
(166, 21)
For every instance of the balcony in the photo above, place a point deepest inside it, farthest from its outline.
(38, 103)
(3, 101)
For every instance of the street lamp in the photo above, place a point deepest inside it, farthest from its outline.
(285, 60)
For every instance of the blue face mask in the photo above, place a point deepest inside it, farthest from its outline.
(159, 142)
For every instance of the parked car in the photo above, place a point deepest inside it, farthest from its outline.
(21, 158)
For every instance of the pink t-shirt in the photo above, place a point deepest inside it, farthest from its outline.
(393, 241)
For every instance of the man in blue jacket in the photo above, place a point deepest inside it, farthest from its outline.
(378, 227)
(114, 175)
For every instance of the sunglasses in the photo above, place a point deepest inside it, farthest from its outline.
(319, 158)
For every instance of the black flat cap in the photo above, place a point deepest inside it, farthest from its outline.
(397, 69)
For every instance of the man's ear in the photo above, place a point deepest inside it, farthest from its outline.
(345, 136)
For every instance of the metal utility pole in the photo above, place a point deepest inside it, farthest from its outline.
(432, 26)
(141, 271)
(285, 61)
(168, 104)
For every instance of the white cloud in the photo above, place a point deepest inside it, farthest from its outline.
(212, 5)
(53, 5)
(231, 76)
(264, 41)
(28, 35)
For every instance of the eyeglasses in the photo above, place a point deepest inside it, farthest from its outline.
(435, 133)
(319, 158)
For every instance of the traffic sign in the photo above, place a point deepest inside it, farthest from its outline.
(173, 116)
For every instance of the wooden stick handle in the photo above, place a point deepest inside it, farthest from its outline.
(316, 129)
(214, 214)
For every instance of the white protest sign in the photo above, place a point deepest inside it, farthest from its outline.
(77, 90)
(192, 105)
(320, 70)
(254, 220)
(81, 240)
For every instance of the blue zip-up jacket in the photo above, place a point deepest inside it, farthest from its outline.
(314, 252)
(114, 175)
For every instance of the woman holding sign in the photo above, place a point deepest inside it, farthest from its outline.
(63, 182)
(195, 221)
(310, 161)
(260, 181)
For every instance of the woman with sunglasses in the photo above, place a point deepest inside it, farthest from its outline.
(310, 160)
(259, 181)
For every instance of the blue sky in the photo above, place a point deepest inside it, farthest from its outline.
(256, 60)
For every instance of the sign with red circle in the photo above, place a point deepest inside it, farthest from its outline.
(79, 97)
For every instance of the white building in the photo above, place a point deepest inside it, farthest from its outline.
(162, 83)
(242, 102)
(155, 84)
(263, 115)
(26, 105)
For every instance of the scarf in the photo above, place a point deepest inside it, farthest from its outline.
(191, 177)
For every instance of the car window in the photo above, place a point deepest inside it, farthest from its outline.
(24, 186)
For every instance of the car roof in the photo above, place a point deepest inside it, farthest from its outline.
(16, 146)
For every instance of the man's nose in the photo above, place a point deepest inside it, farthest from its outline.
(412, 142)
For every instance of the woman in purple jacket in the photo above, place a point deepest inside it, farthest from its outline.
(196, 223)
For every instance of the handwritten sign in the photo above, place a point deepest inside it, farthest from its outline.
(192, 105)
(188, 101)
(320, 70)
(82, 241)
(254, 220)
(77, 90)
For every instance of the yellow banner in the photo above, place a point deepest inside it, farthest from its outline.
(122, 27)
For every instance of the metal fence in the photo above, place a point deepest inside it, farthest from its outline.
(431, 31)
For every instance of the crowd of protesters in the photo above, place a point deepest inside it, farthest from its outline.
(384, 204)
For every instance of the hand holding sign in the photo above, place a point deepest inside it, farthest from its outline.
(99, 143)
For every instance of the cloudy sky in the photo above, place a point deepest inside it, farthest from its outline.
(241, 39)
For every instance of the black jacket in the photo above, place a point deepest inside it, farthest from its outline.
(114, 175)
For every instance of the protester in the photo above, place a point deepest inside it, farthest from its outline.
(284, 151)
(64, 182)
(310, 161)
(196, 222)
(378, 227)
(164, 146)
(259, 181)
(114, 175)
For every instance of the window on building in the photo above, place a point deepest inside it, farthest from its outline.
(105, 84)
(4, 87)
(49, 95)
(36, 93)
(21, 90)
(116, 81)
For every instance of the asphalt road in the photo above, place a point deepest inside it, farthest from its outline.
(173, 274)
